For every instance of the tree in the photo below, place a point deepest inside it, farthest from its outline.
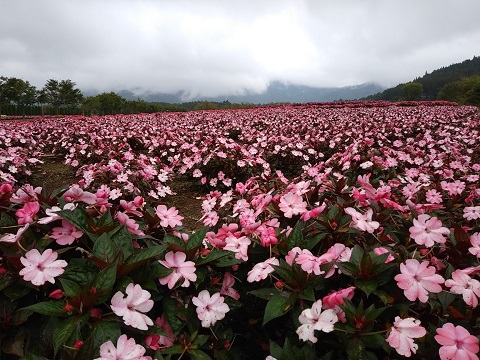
(412, 91)
(464, 92)
(20, 92)
(61, 93)
(3, 82)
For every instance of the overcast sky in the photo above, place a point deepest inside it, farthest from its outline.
(221, 47)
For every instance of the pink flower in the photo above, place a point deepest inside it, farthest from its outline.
(126, 349)
(210, 309)
(66, 234)
(464, 285)
(314, 319)
(310, 263)
(471, 212)
(132, 307)
(168, 217)
(131, 224)
(475, 241)
(311, 214)
(26, 194)
(76, 194)
(336, 298)
(27, 213)
(362, 222)
(402, 334)
(268, 237)
(41, 267)
(428, 231)
(261, 270)
(457, 343)
(292, 204)
(417, 279)
(238, 245)
(433, 196)
(380, 251)
(156, 341)
(11, 238)
(227, 287)
(181, 269)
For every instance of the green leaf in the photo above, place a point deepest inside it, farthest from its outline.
(296, 236)
(214, 255)
(49, 308)
(277, 306)
(103, 282)
(285, 271)
(70, 288)
(265, 293)
(198, 355)
(16, 291)
(276, 350)
(105, 249)
(157, 270)
(33, 357)
(78, 218)
(445, 298)
(146, 254)
(5, 282)
(197, 238)
(171, 313)
(123, 240)
(105, 220)
(367, 286)
(356, 256)
(355, 349)
(7, 220)
(311, 242)
(102, 331)
(66, 329)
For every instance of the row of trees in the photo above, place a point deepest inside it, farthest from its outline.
(55, 93)
(19, 97)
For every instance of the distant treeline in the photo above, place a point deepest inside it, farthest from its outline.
(438, 85)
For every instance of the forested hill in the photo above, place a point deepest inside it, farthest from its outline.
(432, 83)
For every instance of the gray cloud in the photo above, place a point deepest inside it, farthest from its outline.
(216, 47)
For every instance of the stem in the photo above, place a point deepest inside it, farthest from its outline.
(355, 332)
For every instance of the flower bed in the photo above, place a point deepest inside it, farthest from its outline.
(330, 232)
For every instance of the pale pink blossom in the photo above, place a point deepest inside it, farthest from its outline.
(27, 213)
(26, 194)
(11, 238)
(52, 213)
(362, 222)
(210, 218)
(129, 223)
(168, 217)
(210, 309)
(75, 194)
(132, 307)
(464, 285)
(428, 231)
(433, 196)
(381, 250)
(181, 269)
(402, 334)
(227, 287)
(66, 234)
(261, 270)
(126, 349)
(457, 343)
(471, 212)
(292, 204)
(475, 241)
(315, 319)
(310, 263)
(418, 279)
(41, 267)
(238, 245)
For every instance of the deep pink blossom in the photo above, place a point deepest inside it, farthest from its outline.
(418, 279)
(157, 341)
(27, 212)
(428, 231)
(181, 269)
(210, 309)
(130, 224)
(227, 287)
(126, 349)
(402, 334)
(457, 343)
(132, 307)
(41, 267)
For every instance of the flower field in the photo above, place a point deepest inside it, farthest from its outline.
(324, 231)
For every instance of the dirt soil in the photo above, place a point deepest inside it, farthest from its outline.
(53, 174)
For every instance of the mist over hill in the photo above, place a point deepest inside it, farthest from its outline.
(277, 92)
